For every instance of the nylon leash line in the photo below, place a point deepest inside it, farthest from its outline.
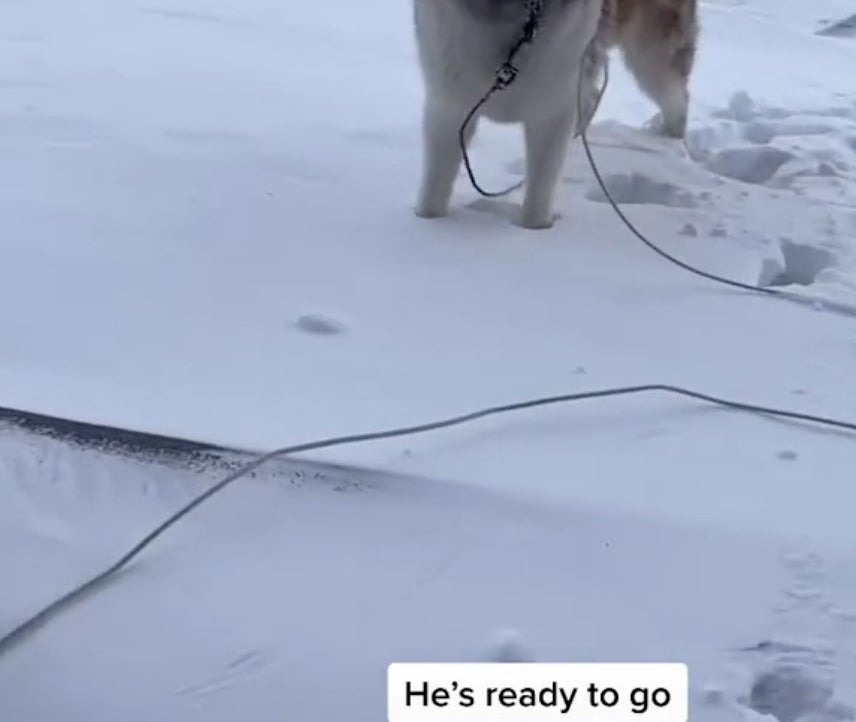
(25, 629)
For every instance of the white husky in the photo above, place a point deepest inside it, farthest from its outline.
(461, 45)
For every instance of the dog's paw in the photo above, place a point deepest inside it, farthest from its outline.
(537, 221)
(672, 128)
(429, 213)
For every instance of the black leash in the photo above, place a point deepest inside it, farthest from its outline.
(505, 76)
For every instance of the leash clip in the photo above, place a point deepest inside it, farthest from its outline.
(507, 72)
(506, 75)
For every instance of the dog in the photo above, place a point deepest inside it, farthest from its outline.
(461, 44)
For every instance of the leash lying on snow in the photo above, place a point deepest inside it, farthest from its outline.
(22, 631)
(507, 74)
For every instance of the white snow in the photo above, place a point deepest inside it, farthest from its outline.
(207, 232)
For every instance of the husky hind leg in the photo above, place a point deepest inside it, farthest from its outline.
(547, 139)
(659, 48)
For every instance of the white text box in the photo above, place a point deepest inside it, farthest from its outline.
(533, 692)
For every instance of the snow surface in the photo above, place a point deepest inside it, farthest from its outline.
(207, 232)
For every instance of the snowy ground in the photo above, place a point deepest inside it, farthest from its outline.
(207, 232)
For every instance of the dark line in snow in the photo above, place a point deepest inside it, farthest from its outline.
(111, 438)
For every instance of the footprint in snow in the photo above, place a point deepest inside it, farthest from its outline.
(507, 646)
(319, 325)
(783, 145)
(762, 133)
(637, 188)
(800, 265)
(755, 164)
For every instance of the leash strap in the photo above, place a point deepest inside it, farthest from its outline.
(507, 72)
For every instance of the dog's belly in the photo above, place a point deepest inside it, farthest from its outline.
(526, 99)
(460, 55)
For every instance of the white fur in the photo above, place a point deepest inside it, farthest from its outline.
(460, 51)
